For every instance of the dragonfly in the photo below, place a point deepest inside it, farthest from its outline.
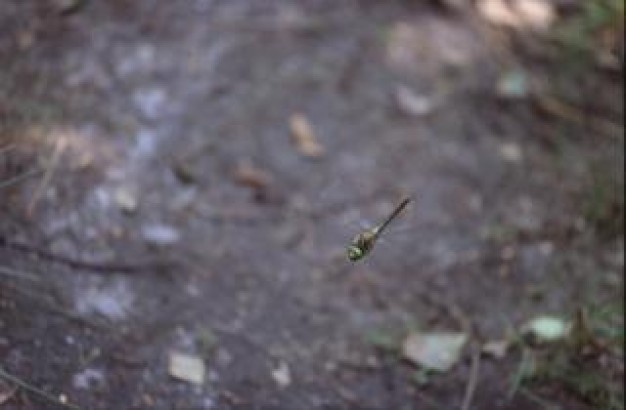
(363, 243)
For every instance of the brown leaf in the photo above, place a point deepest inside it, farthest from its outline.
(533, 14)
(252, 177)
(304, 137)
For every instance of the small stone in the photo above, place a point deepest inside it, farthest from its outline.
(87, 378)
(160, 235)
(513, 85)
(186, 367)
(434, 351)
(281, 375)
(125, 199)
(413, 104)
(511, 152)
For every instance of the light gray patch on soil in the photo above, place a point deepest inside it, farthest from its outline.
(113, 299)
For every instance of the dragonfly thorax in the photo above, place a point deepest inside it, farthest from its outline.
(362, 244)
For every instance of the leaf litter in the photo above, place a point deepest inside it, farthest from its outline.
(304, 137)
(438, 351)
(186, 367)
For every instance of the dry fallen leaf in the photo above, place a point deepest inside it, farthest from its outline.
(186, 367)
(251, 176)
(534, 14)
(434, 351)
(547, 328)
(304, 137)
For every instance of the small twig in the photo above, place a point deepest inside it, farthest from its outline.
(540, 401)
(45, 181)
(472, 382)
(14, 273)
(521, 373)
(54, 307)
(72, 7)
(81, 264)
(14, 180)
(570, 113)
(232, 398)
(35, 390)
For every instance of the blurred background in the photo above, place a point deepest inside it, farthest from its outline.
(179, 181)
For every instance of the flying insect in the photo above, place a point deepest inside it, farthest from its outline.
(363, 243)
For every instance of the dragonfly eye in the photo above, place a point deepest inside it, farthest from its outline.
(354, 253)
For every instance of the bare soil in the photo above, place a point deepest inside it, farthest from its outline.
(145, 241)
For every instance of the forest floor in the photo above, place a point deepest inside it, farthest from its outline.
(170, 198)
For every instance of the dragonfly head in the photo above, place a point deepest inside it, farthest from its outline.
(355, 253)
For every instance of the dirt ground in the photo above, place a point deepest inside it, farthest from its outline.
(179, 215)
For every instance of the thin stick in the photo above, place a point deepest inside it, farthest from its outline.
(542, 402)
(14, 273)
(35, 390)
(18, 178)
(524, 364)
(54, 307)
(570, 113)
(86, 265)
(45, 181)
(472, 382)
